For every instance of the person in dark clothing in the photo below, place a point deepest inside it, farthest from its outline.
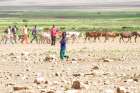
(14, 31)
(63, 47)
(53, 31)
(34, 34)
(8, 36)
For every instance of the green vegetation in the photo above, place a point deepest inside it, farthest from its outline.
(74, 20)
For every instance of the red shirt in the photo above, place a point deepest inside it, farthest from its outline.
(54, 31)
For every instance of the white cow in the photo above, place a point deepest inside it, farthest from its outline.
(44, 37)
(73, 35)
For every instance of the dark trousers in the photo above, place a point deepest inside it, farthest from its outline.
(34, 38)
(53, 40)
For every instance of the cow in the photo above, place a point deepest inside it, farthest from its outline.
(128, 35)
(94, 35)
(73, 36)
(44, 37)
(108, 35)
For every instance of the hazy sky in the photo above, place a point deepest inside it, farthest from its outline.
(59, 2)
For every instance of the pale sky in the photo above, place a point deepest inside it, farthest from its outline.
(61, 2)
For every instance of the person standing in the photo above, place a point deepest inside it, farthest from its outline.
(63, 46)
(25, 35)
(53, 31)
(8, 35)
(34, 34)
(14, 31)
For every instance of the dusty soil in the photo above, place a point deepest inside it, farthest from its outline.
(100, 67)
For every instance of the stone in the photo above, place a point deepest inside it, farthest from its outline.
(46, 82)
(107, 60)
(135, 79)
(36, 81)
(76, 75)
(119, 90)
(50, 92)
(90, 74)
(17, 88)
(95, 68)
(56, 74)
(76, 85)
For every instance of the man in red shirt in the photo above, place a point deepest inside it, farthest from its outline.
(53, 31)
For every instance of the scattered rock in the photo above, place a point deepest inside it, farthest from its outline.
(27, 69)
(10, 84)
(76, 75)
(11, 54)
(50, 92)
(107, 60)
(76, 85)
(74, 60)
(17, 75)
(39, 80)
(92, 74)
(47, 58)
(86, 82)
(46, 82)
(56, 74)
(136, 80)
(95, 68)
(119, 90)
(36, 81)
(20, 88)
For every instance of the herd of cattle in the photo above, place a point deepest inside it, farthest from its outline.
(44, 37)
(113, 35)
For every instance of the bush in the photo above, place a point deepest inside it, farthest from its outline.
(24, 20)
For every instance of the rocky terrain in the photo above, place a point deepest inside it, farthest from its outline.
(91, 68)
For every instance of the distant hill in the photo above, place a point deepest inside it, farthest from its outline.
(92, 6)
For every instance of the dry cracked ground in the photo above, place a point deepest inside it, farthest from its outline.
(96, 67)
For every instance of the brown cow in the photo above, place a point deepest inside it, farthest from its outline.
(136, 36)
(95, 35)
(109, 34)
(128, 35)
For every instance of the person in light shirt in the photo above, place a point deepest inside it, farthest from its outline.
(25, 35)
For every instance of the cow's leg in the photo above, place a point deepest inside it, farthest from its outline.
(5, 39)
(41, 42)
(106, 38)
(94, 39)
(120, 39)
(88, 38)
(85, 38)
(15, 38)
(98, 38)
(11, 40)
(123, 39)
(113, 39)
(49, 40)
(2, 39)
(135, 38)
(128, 40)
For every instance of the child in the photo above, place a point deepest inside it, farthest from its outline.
(63, 46)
